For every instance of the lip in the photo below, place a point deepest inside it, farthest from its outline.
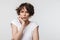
(23, 17)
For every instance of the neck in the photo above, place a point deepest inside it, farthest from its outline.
(27, 22)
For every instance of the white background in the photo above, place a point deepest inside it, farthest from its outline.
(47, 15)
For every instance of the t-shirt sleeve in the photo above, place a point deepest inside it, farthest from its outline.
(14, 22)
(35, 25)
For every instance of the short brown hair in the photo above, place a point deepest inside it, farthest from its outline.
(28, 6)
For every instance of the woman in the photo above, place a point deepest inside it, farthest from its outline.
(22, 28)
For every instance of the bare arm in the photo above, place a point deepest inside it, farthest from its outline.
(36, 34)
(16, 35)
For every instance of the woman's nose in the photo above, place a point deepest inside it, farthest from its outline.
(24, 14)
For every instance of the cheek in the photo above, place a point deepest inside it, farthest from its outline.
(21, 13)
(27, 14)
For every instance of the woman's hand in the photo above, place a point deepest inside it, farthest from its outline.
(21, 21)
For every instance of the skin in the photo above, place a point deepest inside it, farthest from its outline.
(23, 18)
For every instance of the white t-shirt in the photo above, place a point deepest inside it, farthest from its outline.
(28, 31)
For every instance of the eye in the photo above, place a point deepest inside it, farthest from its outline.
(27, 12)
(21, 11)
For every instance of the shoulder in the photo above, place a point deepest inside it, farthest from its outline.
(34, 25)
(15, 22)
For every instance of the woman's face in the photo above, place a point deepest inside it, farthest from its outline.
(24, 14)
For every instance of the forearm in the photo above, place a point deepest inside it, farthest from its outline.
(19, 35)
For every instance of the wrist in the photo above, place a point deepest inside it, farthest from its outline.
(22, 27)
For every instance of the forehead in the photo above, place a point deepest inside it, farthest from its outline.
(23, 9)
